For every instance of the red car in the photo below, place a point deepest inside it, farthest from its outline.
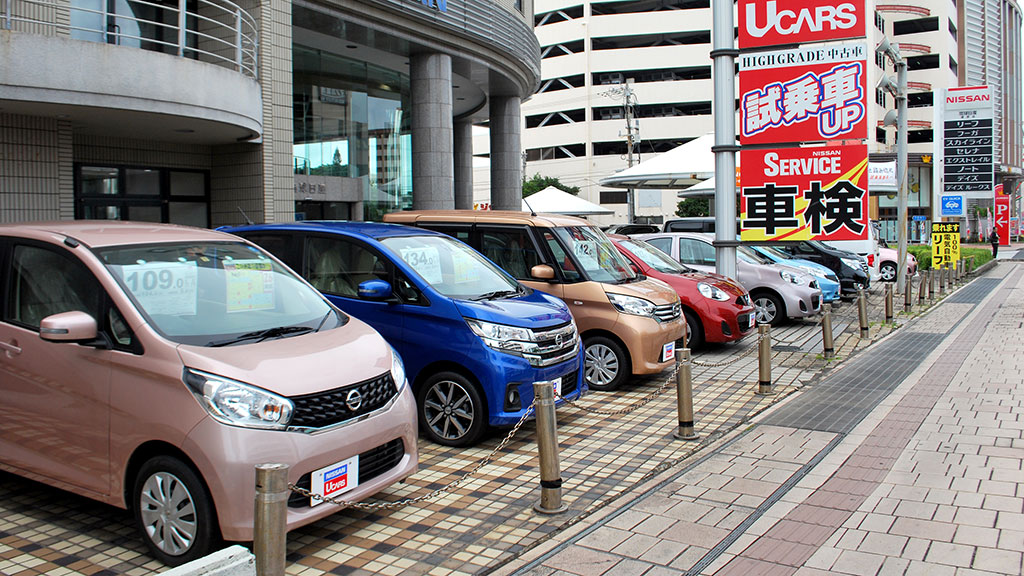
(716, 308)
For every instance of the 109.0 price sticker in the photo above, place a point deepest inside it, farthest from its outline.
(169, 288)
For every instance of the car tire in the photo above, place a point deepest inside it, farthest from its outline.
(451, 410)
(768, 308)
(606, 364)
(887, 272)
(694, 331)
(173, 511)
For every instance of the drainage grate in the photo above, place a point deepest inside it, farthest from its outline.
(974, 292)
(841, 401)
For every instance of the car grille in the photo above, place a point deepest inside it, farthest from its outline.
(815, 302)
(569, 382)
(668, 312)
(340, 404)
(372, 463)
(743, 300)
(864, 267)
(743, 320)
(554, 345)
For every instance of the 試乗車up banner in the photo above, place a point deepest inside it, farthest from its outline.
(805, 94)
(804, 194)
(777, 22)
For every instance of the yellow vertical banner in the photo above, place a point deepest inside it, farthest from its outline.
(945, 243)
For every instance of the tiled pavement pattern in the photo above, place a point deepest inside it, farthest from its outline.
(488, 520)
(929, 483)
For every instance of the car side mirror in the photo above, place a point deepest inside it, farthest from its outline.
(542, 272)
(74, 326)
(375, 290)
(636, 269)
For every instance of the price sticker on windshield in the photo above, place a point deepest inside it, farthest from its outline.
(167, 288)
(466, 268)
(586, 251)
(426, 261)
(250, 285)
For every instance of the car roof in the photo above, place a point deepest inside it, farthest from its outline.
(487, 217)
(102, 233)
(369, 229)
(699, 235)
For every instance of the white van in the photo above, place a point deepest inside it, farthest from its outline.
(867, 249)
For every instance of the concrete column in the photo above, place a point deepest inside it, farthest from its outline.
(463, 165)
(432, 165)
(506, 154)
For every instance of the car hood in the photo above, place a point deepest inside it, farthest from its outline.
(535, 310)
(296, 365)
(721, 282)
(651, 289)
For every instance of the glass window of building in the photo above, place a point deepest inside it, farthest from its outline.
(142, 194)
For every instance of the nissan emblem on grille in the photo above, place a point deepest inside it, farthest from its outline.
(353, 400)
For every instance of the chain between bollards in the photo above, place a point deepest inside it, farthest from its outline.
(684, 397)
(269, 538)
(888, 302)
(826, 331)
(862, 312)
(764, 360)
(547, 448)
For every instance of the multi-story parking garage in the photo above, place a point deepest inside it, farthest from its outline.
(197, 111)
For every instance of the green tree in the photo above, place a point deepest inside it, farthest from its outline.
(538, 183)
(690, 207)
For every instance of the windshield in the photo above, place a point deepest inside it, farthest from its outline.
(653, 257)
(775, 252)
(452, 268)
(586, 251)
(211, 293)
(748, 255)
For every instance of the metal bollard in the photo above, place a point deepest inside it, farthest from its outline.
(931, 285)
(764, 360)
(888, 302)
(970, 266)
(949, 277)
(270, 520)
(942, 281)
(547, 447)
(862, 312)
(925, 278)
(826, 331)
(684, 396)
(956, 272)
(908, 290)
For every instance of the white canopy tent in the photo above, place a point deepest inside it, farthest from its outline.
(681, 167)
(554, 201)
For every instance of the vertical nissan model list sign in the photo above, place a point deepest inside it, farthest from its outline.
(782, 22)
(967, 142)
(816, 193)
(804, 94)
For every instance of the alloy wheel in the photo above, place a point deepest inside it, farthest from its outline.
(449, 410)
(765, 310)
(168, 513)
(602, 365)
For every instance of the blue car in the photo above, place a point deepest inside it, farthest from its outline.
(474, 340)
(828, 282)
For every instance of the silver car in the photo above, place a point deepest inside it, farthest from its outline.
(777, 291)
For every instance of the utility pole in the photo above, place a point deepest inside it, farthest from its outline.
(627, 111)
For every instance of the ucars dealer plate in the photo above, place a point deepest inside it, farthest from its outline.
(335, 479)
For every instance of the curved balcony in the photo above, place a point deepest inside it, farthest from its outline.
(182, 70)
(919, 86)
(911, 47)
(904, 8)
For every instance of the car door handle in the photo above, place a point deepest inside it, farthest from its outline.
(12, 349)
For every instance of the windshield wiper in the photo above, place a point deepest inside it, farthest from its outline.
(496, 294)
(261, 335)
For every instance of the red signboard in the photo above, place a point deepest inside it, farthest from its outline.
(804, 194)
(804, 94)
(1002, 219)
(778, 22)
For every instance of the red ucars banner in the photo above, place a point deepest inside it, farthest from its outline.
(804, 94)
(804, 194)
(778, 22)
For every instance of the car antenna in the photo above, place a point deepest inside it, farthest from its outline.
(247, 219)
(532, 212)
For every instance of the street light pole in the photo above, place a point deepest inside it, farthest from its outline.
(723, 55)
(901, 171)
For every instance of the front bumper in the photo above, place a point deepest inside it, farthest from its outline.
(802, 301)
(645, 337)
(503, 372)
(727, 322)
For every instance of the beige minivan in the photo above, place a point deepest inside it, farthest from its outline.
(152, 367)
(629, 323)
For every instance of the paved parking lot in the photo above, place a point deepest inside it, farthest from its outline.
(488, 519)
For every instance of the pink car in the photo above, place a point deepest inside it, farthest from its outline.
(152, 367)
(888, 259)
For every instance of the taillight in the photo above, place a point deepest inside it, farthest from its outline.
(871, 260)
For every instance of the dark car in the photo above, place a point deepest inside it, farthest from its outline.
(853, 272)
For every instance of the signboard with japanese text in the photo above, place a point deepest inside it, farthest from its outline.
(1002, 219)
(882, 178)
(804, 194)
(967, 142)
(945, 243)
(778, 22)
(804, 94)
(951, 205)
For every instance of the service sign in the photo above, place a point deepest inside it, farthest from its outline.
(804, 94)
(804, 194)
(945, 244)
(952, 205)
(778, 22)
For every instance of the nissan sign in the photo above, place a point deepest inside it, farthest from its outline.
(778, 22)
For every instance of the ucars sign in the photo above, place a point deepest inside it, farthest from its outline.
(778, 22)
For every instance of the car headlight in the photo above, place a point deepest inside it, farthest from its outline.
(792, 278)
(523, 342)
(632, 305)
(238, 404)
(712, 292)
(852, 263)
(397, 370)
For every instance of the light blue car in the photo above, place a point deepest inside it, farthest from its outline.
(828, 282)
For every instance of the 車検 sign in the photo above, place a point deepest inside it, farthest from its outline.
(967, 142)
(778, 22)
(804, 94)
(945, 243)
(815, 193)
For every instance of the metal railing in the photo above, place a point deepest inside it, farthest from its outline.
(215, 31)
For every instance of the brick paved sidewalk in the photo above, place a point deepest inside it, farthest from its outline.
(929, 482)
